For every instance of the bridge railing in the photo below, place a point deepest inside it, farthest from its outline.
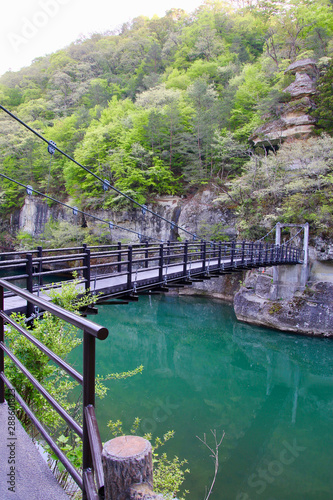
(99, 262)
(89, 433)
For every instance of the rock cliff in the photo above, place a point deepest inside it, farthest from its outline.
(309, 312)
(294, 120)
(197, 214)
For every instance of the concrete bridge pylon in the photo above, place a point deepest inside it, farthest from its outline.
(289, 279)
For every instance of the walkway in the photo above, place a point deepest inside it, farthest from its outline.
(31, 478)
(138, 277)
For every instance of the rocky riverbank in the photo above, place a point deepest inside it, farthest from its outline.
(308, 312)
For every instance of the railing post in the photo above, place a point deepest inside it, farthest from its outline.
(272, 252)
(168, 252)
(119, 256)
(89, 342)
(146, 255)
(86, 271)
(185, 257)
(40, 265)
(243, 252)
(2, 354)
(259, 256)
(266, 254)
(232, 256)
(129, 268)
(161, 262)
(29, 271)
(203, 255)
(220, 255)
(251, 254)
(278, 254)
(306, 244)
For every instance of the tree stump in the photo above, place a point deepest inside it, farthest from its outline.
(143, 492)
(126, 460)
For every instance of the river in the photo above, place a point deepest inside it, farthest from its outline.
(270, 392)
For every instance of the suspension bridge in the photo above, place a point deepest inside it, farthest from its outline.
(124, 272)
(114, 274)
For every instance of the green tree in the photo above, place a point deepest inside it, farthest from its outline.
(61, 338)
(324, 101)
(203, 97)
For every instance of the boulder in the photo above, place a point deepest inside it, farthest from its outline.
(307, 313)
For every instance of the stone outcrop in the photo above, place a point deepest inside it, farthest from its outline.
(222, 287)
(323, 249)
(307, 312)
(197, 214)
(294, 120)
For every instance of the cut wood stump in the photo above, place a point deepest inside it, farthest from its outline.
(143, 492)
(127, 460)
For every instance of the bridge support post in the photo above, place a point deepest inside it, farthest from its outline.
(168, 252)
(260, 253)
(233, 245)
(119, 256)
(129, 267)
(146, 255)
(203, 255)
(287, 282)
(40, 265)
(161, 262)
(29, 271)
(2, 354)
(243, 252)
(86, 271)
(278, 234)
(185, 258)
(306, 243)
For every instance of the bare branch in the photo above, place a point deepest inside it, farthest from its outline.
(214, 455)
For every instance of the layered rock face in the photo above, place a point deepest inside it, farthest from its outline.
(197, 214)
(307, 312)
(294, 121)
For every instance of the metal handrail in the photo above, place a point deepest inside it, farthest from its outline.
(89, 432)
(241, 254)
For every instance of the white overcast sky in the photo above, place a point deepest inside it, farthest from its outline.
(33, 28)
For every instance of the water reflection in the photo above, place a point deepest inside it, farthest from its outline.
(270, 392)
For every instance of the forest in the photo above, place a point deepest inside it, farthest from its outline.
(167, 106)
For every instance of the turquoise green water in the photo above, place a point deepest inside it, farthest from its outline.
(270, 392)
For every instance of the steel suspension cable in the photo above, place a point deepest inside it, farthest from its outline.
(291, 239)
(31, 189)
(143, 207)
(269, 232)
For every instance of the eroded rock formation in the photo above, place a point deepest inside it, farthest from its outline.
(308, 312)
(295, 120)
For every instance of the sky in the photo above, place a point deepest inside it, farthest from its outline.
(34, 28)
